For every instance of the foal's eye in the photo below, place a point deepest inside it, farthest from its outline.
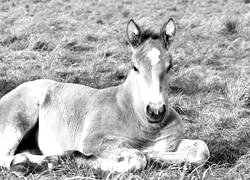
(135, 69)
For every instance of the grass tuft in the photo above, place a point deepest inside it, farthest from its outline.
(237, 91)
(230, 26)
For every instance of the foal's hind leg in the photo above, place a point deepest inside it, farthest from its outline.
(9, 140)
(18, 113)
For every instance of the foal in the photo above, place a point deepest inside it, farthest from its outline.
(117, 129)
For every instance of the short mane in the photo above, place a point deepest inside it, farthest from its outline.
(149, 34)
(145, 35)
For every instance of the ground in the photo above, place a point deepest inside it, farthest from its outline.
(84, 42)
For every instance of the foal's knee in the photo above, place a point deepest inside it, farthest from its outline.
(131, 160)
(138, 161)
(128, 160)
(202, 152)
(197, 150)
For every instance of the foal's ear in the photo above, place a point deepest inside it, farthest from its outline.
(133, 33)
(168, 31)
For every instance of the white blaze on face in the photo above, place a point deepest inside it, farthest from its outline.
(154, 56)
(152, 93)
(156, 96)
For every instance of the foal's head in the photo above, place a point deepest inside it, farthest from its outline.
(151, 63)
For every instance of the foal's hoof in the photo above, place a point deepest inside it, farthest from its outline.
(21, 166)
(19, 158)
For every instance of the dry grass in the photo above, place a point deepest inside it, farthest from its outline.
(84, 42)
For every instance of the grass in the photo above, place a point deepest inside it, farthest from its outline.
(84, 42)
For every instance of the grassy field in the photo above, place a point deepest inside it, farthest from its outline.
(84, 42)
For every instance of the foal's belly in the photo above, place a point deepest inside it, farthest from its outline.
(58, 132)
(49, 145)
(56, 143)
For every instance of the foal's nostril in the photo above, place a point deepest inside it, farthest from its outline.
(149, 110)
(156, 113)
(162, 110)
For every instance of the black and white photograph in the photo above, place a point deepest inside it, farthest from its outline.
(125, 89)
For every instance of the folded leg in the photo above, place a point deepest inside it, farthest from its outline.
(121, 159)
(191, 151)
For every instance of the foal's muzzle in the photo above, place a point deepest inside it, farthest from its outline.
(155, 114)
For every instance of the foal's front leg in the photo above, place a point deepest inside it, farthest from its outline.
(190, 151)
(112, 159)
(116, 160)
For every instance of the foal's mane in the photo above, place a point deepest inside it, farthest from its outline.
(145, 34)
(149, 34)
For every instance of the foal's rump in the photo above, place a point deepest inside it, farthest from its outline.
(20, 109)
